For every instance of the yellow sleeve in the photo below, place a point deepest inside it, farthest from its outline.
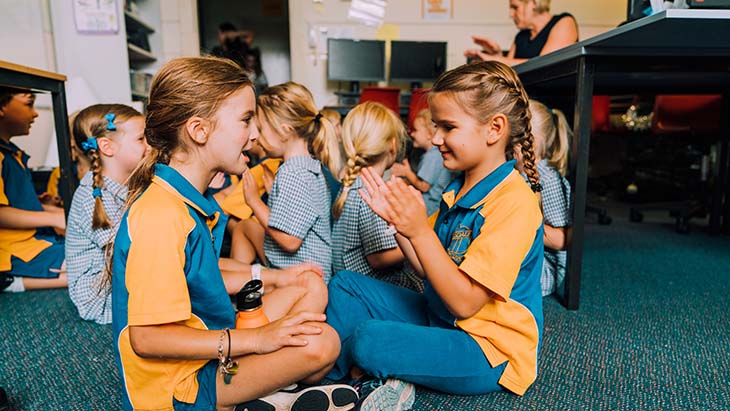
(495, 255)
(52, 187)
(234, 204)
(155, 275)
(3, 198)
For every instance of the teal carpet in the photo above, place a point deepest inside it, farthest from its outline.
(652, 333)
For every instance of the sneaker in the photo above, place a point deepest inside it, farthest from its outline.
(385, 395)
(298, 397)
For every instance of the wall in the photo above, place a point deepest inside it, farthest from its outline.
(484, 17)
(271, 32)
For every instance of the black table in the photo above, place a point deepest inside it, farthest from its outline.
(43, 81)
(672, 52)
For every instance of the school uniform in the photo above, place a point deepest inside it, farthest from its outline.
(165, 270)
(300, 206)
(358, 233)
(86, 248)
(494, 234)
(24, 252)
(555, 206)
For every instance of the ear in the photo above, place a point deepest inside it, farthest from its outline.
(198, 129)
(286, 131)
(106, 147)
(497, 128)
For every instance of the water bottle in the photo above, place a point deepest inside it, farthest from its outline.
(250, 309)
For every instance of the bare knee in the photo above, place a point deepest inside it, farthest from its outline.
(324, 348)
(316, 288)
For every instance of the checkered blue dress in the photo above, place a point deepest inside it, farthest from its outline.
(556, 211)
(300, 206)
(85, 248)
(358, 233)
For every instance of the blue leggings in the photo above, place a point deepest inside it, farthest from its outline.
(391, 331)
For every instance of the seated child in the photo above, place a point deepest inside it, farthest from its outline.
(432, 177)
(297, 216)
(31, 254)
(373, 136)
(112, 139)
(552, 142)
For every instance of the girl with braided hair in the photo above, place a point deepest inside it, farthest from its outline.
(477, 327)
(297, 217)
(111, 138)
(373, 136)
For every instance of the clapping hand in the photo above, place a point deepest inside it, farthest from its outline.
(395, 202)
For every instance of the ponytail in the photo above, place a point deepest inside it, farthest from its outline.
(557, 155)
(100, 219)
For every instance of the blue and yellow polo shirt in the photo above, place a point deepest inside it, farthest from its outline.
(17, 191)
(494, 233)
(165, 270)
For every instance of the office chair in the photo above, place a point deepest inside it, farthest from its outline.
(684, 127)
(600, 123)
(388, 96)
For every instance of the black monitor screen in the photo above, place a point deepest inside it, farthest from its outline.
(355, 60)
(417, 60)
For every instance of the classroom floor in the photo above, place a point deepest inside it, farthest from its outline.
(652, 333)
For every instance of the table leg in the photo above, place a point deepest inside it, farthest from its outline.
(60, 117)
(579, 174)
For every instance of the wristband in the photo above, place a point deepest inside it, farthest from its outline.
(256, 274)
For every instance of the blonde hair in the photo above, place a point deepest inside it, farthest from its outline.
(332, 115)
(553, 135)
(293, 105)
(424, 115)
(367, 135)
(182, 88)
(487, 88)
(541, 6)
(91, 123)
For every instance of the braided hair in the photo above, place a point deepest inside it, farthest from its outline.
(486, 88)
(92, 123)
(367, 136)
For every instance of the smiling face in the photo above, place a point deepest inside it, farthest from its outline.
(422, 134)
(17, 116)
(270, 140)
(234, 131)
(460, 138)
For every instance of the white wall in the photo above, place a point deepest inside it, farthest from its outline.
(484, 17)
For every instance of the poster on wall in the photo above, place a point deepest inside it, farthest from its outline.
(437, 10)
(96, 16)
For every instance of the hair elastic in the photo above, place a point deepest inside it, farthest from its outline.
(536, 187)
(318, 117)
(89, 144)
(97, 192)
(110, 121)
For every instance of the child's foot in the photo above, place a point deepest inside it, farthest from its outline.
(298, 397)
(379, 395)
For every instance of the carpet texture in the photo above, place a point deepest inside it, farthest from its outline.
(652, 333)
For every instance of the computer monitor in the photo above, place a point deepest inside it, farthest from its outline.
(355, 61)
(417, 61)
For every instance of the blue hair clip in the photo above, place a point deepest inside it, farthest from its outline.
(110, 121)
(97, 192)
(89, 144)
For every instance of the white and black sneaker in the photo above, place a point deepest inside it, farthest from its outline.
(298, 397)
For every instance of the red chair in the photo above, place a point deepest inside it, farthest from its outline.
(697, 114)
(600, 116)
(419, 101)
(388, 96)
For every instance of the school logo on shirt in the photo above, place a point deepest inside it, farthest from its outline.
(460, 240)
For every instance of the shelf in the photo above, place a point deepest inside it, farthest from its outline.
(139, 55)
(134, 23)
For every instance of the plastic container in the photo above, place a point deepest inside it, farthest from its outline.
(249, 305)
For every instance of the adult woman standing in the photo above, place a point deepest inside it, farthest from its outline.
(540, 33)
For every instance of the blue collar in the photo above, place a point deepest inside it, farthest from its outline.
(477, 193)
(174, 182)
(8, 146)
